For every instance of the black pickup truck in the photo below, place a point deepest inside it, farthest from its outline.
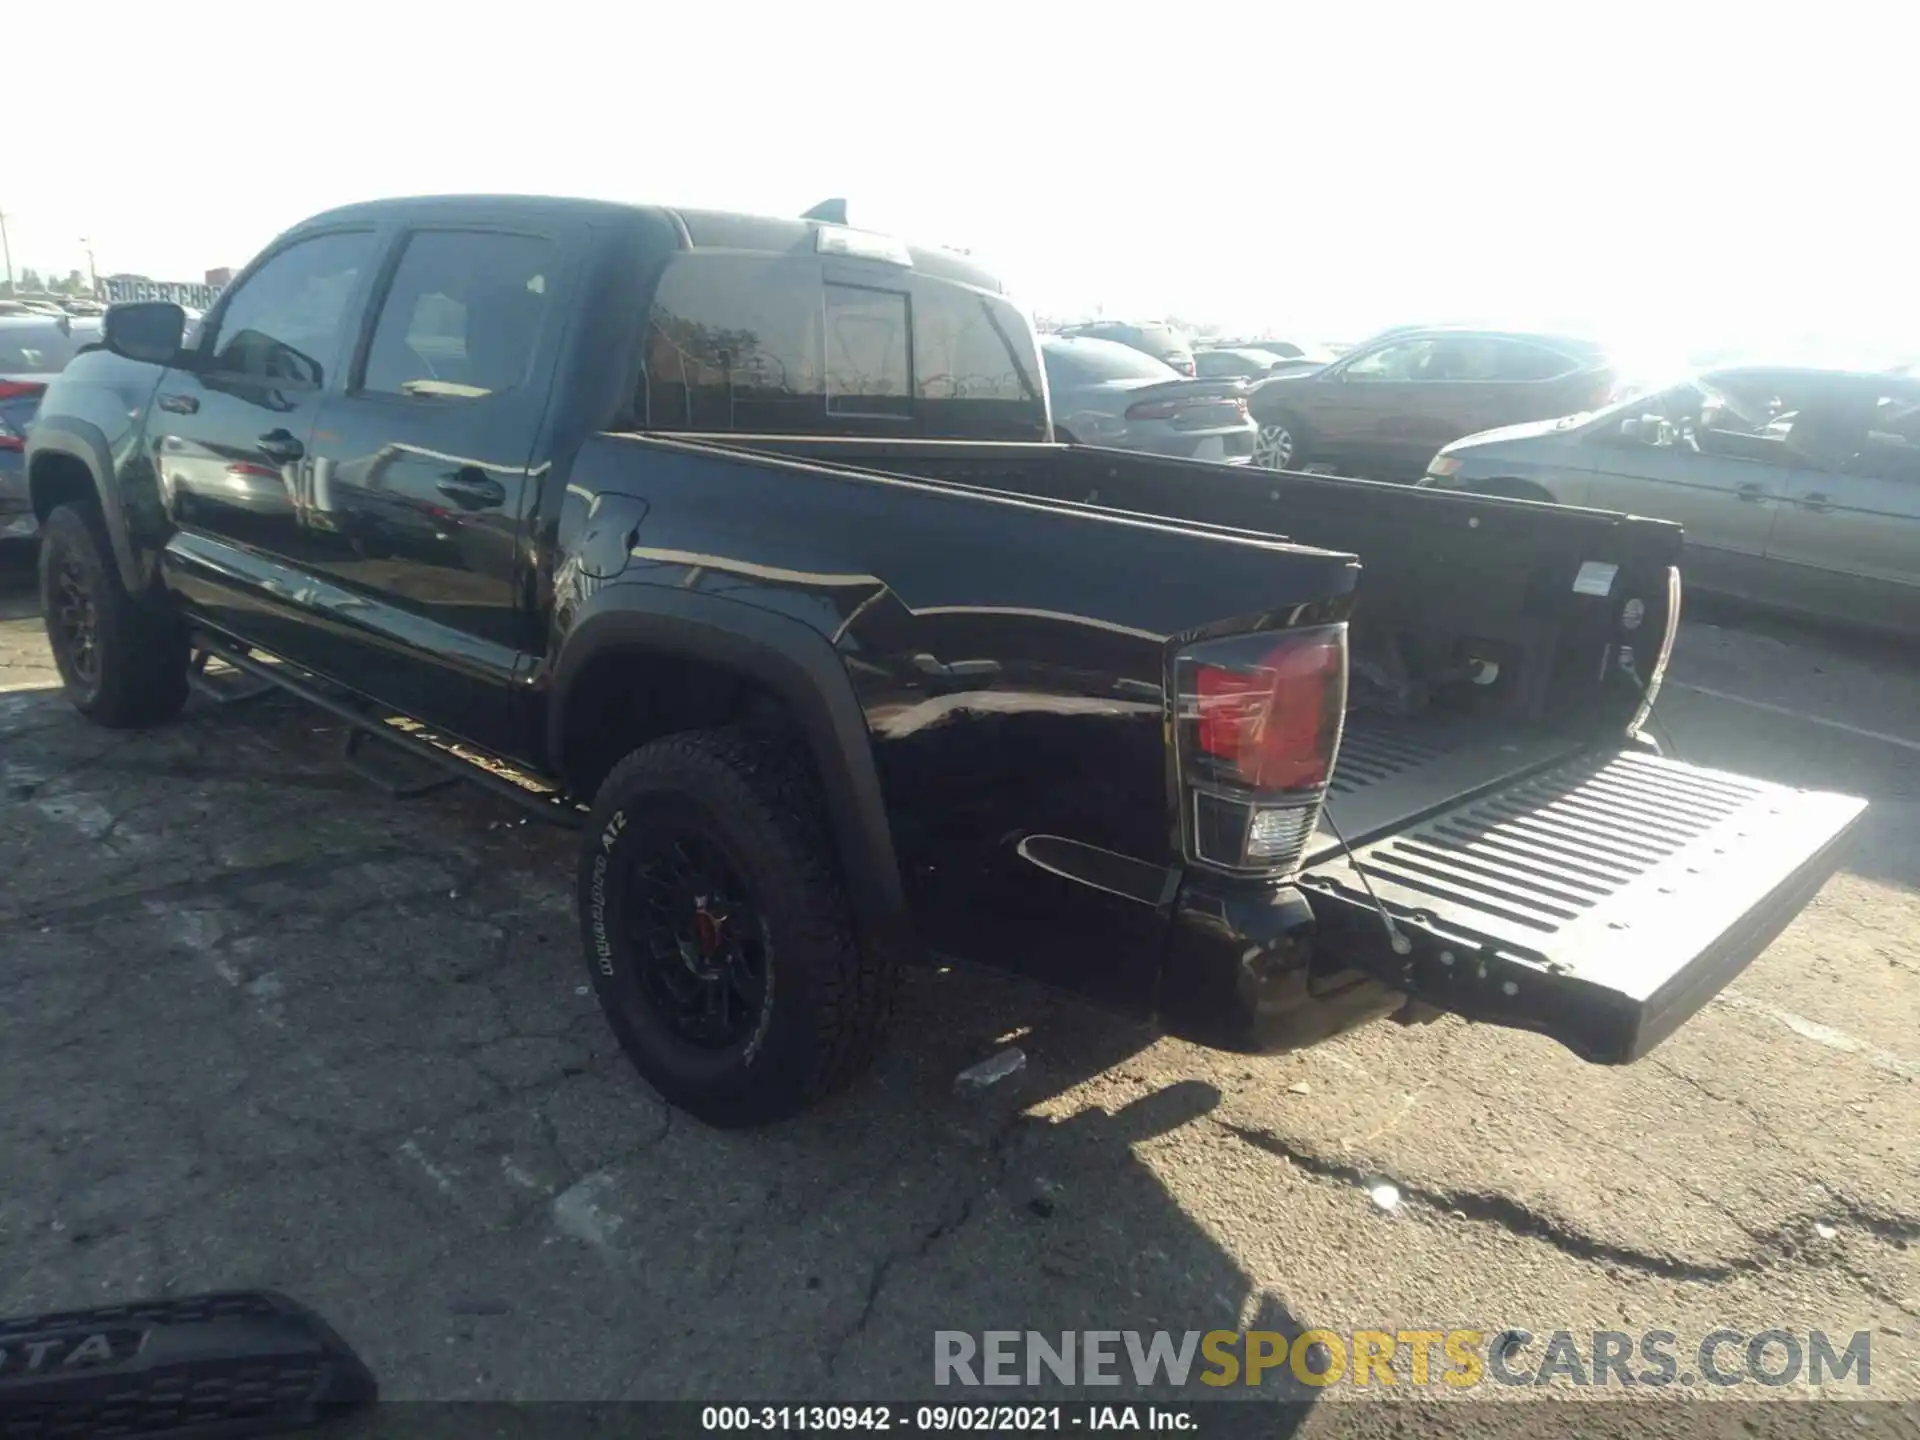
(743, 545)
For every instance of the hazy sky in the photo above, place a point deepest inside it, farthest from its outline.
(1666, 175)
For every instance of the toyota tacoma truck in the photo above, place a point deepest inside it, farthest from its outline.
(743, 545)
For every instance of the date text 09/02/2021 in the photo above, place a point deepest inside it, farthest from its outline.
(940, 1419)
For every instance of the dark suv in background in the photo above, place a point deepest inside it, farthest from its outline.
(1163, 342)
(1381, 410)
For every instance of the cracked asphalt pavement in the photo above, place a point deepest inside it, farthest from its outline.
(262, 1026)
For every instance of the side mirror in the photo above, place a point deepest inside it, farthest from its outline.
(149, 330)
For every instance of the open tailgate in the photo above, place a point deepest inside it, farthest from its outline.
(1601, 901)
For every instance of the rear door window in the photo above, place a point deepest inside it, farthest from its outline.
(734, 343)
(1519, 361)
(1401, 360)
(1463, 358)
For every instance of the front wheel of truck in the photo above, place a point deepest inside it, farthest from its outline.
(718, 935)
(123, 664)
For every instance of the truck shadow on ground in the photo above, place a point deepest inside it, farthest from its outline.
(356, 1062)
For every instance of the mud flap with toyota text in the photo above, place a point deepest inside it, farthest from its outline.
(1600, 902)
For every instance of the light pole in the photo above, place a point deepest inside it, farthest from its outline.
(7, 250)
(93, 275)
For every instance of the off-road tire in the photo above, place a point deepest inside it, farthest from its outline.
(137, 673)
(827, 1002)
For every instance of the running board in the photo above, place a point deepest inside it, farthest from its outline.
(546, 805)
(1601, 901)
(234, 1364)
(222, 692)
(353, 756)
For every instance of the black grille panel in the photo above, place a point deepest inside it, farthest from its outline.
(191, 1310)
(164, 1403)
(228, 1363)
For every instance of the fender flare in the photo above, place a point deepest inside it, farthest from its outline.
(798, 665)
(63, 435)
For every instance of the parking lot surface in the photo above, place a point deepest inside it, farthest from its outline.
(262, 1026)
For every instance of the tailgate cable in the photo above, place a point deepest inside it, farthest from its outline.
(1629, 667)
(1399, 942)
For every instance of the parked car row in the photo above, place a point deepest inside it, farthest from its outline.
(1798, 488)
(1381, 410)
(1106, 393)
(34, 347)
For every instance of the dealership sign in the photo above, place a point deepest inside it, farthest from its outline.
(194, 296)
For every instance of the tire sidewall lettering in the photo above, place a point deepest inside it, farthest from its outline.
(597, 895)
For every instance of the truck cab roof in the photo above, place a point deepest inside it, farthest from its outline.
(696, 229)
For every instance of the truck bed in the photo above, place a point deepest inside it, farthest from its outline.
(1510, 853)
(1391, 770)
(1444, 579)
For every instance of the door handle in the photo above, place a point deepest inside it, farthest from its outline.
(1816, 500)
(471, 490)
(281, 445)
(180, 404)
(1750, 492)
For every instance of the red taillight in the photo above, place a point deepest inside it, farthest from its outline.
(1278, 722)
(10, 436)
(1260, 719)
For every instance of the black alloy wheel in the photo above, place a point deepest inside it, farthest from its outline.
(699, 943)
(73, 622)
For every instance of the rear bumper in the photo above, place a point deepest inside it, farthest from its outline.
(1231, 445)
(1245, 971)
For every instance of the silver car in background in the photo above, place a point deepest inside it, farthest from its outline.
(1799, 488)
(1108, 394)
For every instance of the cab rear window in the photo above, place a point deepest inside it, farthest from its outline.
(767, 344)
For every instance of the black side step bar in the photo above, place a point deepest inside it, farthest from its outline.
(221, 692)
(352, 757)
(547, 806)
